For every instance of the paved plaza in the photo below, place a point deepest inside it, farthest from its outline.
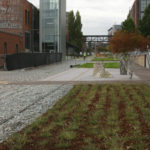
(38, 73)
(78, 74)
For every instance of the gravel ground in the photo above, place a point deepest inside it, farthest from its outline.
(20, 105)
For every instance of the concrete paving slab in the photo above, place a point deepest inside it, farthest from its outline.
(82, 74)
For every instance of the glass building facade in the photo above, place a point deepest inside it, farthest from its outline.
(142, 5)
(52, 26)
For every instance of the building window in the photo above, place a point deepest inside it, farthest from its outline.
(27, 40)
(5, 48)
(26, 16)
(17, 48)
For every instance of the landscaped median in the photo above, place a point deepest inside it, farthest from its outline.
(106, 65)
(91, 117)
(106, 59)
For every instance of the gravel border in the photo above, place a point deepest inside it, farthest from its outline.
(26, 114)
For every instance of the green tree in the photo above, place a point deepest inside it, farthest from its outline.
(78, 31)
(75, 30)
(71, 27)
(144, 23)
(128, 25)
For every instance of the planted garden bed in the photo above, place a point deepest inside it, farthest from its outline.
(106, 59)
(91, 117)
(106, 65)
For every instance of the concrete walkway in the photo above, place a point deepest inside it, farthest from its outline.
(86, 74)
(38, 73)
(142, 73)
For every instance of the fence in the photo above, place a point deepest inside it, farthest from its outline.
(25, 60)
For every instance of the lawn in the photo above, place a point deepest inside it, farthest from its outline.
(106, 65)
(106, 59)
(91, 117)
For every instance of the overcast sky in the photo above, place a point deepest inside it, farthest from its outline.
(98, 15)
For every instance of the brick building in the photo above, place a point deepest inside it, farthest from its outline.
(134, 12)
(10, 43)
(137, 10)
(17, 17)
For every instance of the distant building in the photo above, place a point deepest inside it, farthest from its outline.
(137, 10)
(113, 29)
(53, 26)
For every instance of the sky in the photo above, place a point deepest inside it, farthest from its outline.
(98, 15)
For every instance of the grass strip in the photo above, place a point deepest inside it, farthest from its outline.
(138, 105)
(106, 65)
(92, 128)
(59, 122)
(134, 139)
(78, 118)
(110, 133)
(106, 59)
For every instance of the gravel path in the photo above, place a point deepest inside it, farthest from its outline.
(20, 105)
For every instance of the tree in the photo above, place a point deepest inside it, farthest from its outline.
(124, 42)
(144, 23)
(78, 31)
(71, 27)
(128, 25)
(75, 30)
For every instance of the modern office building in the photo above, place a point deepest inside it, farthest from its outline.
(53, 26)
(137, 10)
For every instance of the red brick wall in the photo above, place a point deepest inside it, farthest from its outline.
(23, 5)
(134, 12)
(27, 6)
(26, 27)
(11, 41)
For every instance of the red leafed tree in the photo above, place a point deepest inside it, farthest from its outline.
(124, 42)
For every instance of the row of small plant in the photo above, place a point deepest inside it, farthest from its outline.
(91, 117)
